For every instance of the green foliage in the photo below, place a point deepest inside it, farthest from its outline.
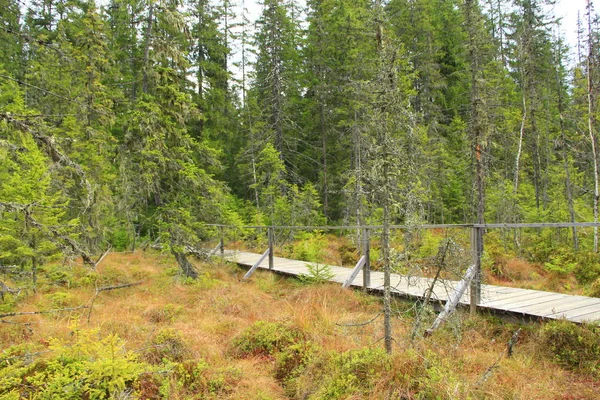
(309, 246)
(26, 181)
(265, 339)
(61, 300)
(594, 289)
(317, 273)
(167, 345)
(574, 346)
(198, 378)
(347, 374)
(120, 239)
(168, 313)
(292, 361)
(90, 366)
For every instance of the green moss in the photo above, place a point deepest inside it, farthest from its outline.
(573, 346)
(351, 373)
(265, 338)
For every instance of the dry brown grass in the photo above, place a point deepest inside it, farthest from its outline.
(207, 314)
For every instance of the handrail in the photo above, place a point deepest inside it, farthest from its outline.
(422, 226)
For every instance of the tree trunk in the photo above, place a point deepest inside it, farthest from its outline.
(568, 184)
(324, 150)
(187, 268)
(591, 105)
(520, 147)
(385, 246)
(148, 35)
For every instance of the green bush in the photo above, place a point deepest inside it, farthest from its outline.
(168, 345)
(201, 380)
(573, 346)
(266, 338)
(352, 373)
(317, 273)
(62, 299)
(293, 359)
(309, 247)
(594, 289)
(120, 239)
(90, 367)
(587, 268)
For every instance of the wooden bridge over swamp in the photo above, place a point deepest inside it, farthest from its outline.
(468, 291)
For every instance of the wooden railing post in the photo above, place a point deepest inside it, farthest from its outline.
(476, 250)
(270, 234)
(222, 244)
(367, 255)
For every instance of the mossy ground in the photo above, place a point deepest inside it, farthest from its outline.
(267, 338)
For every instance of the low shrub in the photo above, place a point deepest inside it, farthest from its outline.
(167, 345)
(198, 379)
(594, 289)
(90, 367)
(265, 339)
(317, 273)
(573, 346)
(343, 375)
(163, 314)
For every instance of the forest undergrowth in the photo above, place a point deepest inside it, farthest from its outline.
(151, 333)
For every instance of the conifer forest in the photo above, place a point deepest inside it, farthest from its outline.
(131, 119)
(417, 139)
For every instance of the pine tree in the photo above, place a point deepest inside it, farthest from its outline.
(276, 81)
(12, 38)
(165, 174)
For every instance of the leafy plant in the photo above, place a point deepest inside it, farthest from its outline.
(574, 346)
(89, 367)
(317, 273)
(266, 338)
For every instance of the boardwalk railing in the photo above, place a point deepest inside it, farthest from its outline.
(365, 233)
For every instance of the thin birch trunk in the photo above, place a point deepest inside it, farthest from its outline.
(520, 148)
(591, 101)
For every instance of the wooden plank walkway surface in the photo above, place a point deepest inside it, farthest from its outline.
(525, 302)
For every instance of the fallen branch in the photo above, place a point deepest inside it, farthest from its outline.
(360, 323)
(429, 291)
(15, 314)
(508, 351)
(125, 285)
(6, 289)
(27, 325)
(102, 257)
(106, 289)
(52, 233)
(26, 355)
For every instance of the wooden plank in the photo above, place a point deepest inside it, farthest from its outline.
(556, 306)
(581, 311)
(589, 317)
(523, 301)
(518, 300)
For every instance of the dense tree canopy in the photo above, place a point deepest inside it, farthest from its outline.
(129, 119)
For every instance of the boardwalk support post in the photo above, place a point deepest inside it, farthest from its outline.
(261, 259)
(354, 272)
(367, 257)
(454, 299)
(477, 250)
(213, 251)
(270, 234)
(222, 241)
(222, 244)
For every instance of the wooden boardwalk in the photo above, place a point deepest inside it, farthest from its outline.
(521, 302)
